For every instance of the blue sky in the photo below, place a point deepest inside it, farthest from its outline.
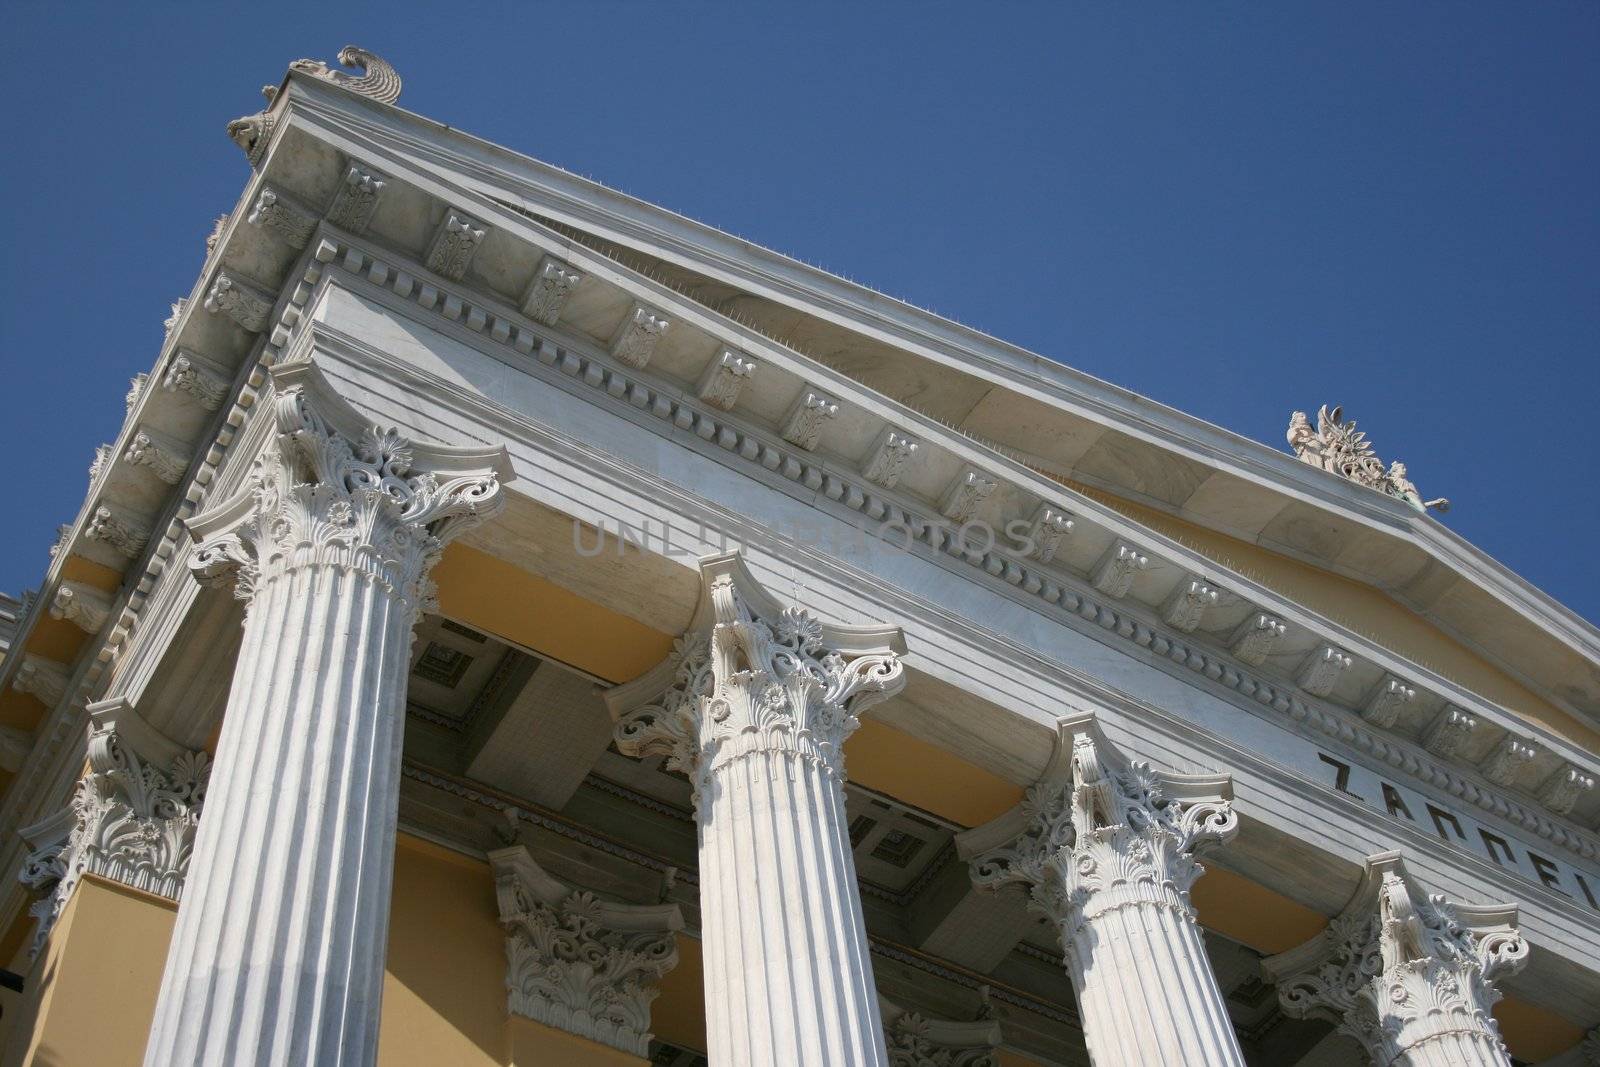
(1236, 210)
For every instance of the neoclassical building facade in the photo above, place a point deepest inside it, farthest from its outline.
(515, 624)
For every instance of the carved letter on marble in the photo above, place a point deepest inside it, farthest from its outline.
(330, 540)
(1105, 848)
(724, 377)
(1407, 974)
(754, 706)
(579, 963)
(553, 281)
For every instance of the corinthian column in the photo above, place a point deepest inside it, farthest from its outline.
(277, 957)
(1106, 848)
(1407, 974)
(754, 706)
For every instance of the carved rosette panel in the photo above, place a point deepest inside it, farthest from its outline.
(315, 498)
(1109, 838)
(1400, 969)
(130, 822)
(753, 684)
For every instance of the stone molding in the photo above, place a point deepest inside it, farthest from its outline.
(1341, 725)
(918, 1040)
(576, 962)
(1099, 832)
(753, 675)
(1400, 968)
(132, 818)
(331, 490)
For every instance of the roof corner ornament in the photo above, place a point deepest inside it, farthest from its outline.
(377, 80)
(1338, 447)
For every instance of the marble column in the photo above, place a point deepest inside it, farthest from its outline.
(754, 705)
(1106, 849)
(277, 956)
(1407, 974)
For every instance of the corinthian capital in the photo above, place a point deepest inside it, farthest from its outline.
(333, 491)
(1400, 968)
(1099, 832)
(753, 675)
(132, 818)
(579, 963)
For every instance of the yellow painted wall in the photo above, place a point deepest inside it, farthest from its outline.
(91, 996)
(1364, 609)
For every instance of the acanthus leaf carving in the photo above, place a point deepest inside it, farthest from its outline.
(1562, 789)
(636, 339)
(889, 458)
(577, 962)
(1506, 760)
(46, 679)
(1322, 670)
(724, 377)
(356, 199)
(915, 1040)
(276, 211)
(802, 427)
(1099, 832)
(198, 378)
(1188, 603)
(315, 497)
(1113, 574)
(1046, 530)
(966, 494)
(130, 821)
(1399, 968)
(83, 605)
(553, 282)
(1385, 703)
(166, 457)
(1449, 731)
(753, 677)
(454, 244)
(122, 532)
(245, 304)
(1257, 636)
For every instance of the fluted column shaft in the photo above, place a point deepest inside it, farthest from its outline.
(277, 955)
(757, 701)
(788, 977)
(1144, 984)
(278, 952)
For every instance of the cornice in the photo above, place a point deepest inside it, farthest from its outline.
(584, 368)
(498, 173)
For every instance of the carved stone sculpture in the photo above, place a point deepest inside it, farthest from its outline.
(1403, 971)
(1338, 447)
(579, 963)
(377, 81)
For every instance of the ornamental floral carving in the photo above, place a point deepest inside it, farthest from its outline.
(130, 820)
(356, 199)
(755, 676)
(198, 378)
(889, 458)
(1338, 447)
(1098, 833)
(916, 1040)
(579, 963)
(553, 281)
(377, 81)
(277, 212)
(455, 243)
(318, 498)
(1400, 968)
